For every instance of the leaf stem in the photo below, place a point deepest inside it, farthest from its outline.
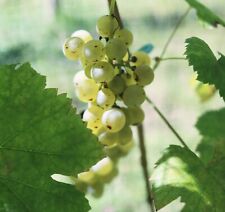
(144, 164)
(167, 122)
(171, 37)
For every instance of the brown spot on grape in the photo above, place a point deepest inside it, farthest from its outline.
(109, 127)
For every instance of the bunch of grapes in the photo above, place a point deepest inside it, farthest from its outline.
(112, 84)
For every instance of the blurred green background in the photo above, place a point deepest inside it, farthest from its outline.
(34, 31)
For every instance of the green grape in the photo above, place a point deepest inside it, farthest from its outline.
(63, 179)
(140, 58)
(124, 35)
(115, 49)
(72, 48)
(86, 89)
(96, 190)
(136, 115)
(125, 149)
(88, 177)
(107, 138)
(117, 85)
(106, 26)
(144, 75)
(105, 98)
(113, 120)
(125, 135)
(95, 126)
(102, 72)
(113, 152)
(134, 95)
(83, 35)
(93, 51)
(87, 66)
(129, 77)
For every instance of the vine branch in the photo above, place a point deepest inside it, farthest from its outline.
(167, 122)
(113, 8)
(171, 37)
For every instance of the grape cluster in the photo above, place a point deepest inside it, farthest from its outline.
(112, 84)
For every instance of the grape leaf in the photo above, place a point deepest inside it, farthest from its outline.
(206, 14)
(40, 135)
(212, 146)
(147, 48)
(209, 69)
(180, 173)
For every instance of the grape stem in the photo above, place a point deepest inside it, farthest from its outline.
(168, 58)
(113, 9)
(180, 21)
(167, 122)
(144, 164)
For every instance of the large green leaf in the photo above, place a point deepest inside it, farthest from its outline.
(209, 69)
(40, 134)
(180, 173)
(212, 146)
(205, 14)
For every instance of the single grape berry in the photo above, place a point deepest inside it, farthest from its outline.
(124, 35)
(115, 49)
(106, 26)
(139, 58)
(102, 72)
(113, 120)
(144, 75)
(117, 85)
(105, 98)
(93, 51)
(86, 89)
(83, 35)
(134, 95)
(72, 48)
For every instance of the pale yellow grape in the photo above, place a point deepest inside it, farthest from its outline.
(105, 98)
(103, 167)
(113, 120)
(134, 95)
(93, 51)
(95, 109)
(86, 89)
(88, 177)
(115, 49)
(72, 48)
(124, 35)
(114, 152)
(102, 72)
(125, 135)
(106, 26)
(144, 75)
(117, 85)
(140, 58)
(89, 116)
(107, 138)
(125, 149)
(95, 126)
(82, 34)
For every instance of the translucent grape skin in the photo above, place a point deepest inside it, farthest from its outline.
(72, 48)
(106, 26)
(86, 89)
(105, 98)
(139, 58)
(144, 75)
(124, 35)
(134, 115)
(117, 85)
(113, 120)
(115, 49)
(107, 138)
(134, 95)
(93, 51)
(102, 72)
(125, 135)
(83, 35)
